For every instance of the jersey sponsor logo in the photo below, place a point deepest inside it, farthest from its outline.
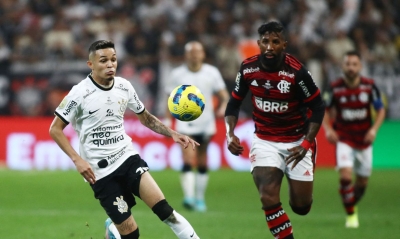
(110, 112)
(111, 159)
(107, 128)
(305, 89)
(102, 138)
(284, 86)
(270, 106)
(121, 204)
(251, 70)
(121, 87)
(91, 112)
(139, 104)
(68, 109)
(354, 114)
(88, 93)
(237, 80)
(287, 74)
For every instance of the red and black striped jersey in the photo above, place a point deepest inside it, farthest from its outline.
(353, 109)
(279, 98)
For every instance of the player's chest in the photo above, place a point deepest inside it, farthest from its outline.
(105, 104)
(352, 97)
(278, 85)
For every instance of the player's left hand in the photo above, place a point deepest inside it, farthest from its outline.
(370, 136)
(184, 140)
(296, 155)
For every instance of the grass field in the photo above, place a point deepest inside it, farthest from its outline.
(48, 204)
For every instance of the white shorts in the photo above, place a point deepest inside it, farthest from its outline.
(265, 153)
(358, 159)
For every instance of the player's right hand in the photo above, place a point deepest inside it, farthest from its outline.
(85, 170)
(234, 145)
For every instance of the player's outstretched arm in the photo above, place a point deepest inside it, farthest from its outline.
(153, 123)
(83, 167)
(232, 140)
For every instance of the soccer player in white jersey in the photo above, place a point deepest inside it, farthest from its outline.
(209, 80)
(107, 159)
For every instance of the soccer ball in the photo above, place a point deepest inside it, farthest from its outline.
(186, 103)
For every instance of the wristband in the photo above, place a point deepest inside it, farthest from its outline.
(305, 144)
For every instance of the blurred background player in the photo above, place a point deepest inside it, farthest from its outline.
(209, 80)
(287, 112)
(348, 103)
(107, 159)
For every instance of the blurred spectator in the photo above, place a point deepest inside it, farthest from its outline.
(50, 38)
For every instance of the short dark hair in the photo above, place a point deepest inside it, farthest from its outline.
(101, 44)
(353, 53)
(272, 26)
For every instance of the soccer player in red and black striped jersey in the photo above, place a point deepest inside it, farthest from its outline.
(287, 111)
(349, 101)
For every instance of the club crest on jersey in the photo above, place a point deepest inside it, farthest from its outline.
(122, 205)
(284, 86)
(251, 70)
(122, 106)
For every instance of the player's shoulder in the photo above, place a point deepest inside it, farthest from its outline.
(251, 60)
(120, 80)
(210, 68)
(367, 81)
(339, 82)
(293, 62)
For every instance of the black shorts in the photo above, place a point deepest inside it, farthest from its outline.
(201, 138)
(116, 191)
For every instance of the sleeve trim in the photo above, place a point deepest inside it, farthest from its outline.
(61, 118)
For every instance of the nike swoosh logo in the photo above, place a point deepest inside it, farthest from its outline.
(192, 234)
(91, 112)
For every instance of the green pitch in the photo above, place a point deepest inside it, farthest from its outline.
(43, 205)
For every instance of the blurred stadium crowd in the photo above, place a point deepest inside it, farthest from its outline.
(43, 43)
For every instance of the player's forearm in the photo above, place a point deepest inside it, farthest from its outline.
(230, 124)
(326, 122)
(62, 141)
(153, 123)
(380, 117)
(312, 131)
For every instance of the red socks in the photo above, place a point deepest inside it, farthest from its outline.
(347, 193)
(278, 222)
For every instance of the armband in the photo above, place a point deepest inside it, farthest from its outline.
(306, 144)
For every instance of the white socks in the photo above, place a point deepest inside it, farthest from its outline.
(187, 183)
(201, 185)
(114, 230)
(180, 226)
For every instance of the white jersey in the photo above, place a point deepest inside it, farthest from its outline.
(97, 115)
(209, 80)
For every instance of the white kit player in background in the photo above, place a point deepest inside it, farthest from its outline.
(107, 159)
(210, 82)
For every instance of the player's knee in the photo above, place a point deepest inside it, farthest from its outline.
(162, 209)
(132, 235)
(304, 210)
(202, 169)
(186, 168)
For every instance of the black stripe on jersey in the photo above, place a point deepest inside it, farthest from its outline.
(61, 118)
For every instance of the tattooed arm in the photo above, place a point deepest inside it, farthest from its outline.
(153, 123)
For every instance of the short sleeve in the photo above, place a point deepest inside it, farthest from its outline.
(134, 102)
(219, 83)
(68, 108)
